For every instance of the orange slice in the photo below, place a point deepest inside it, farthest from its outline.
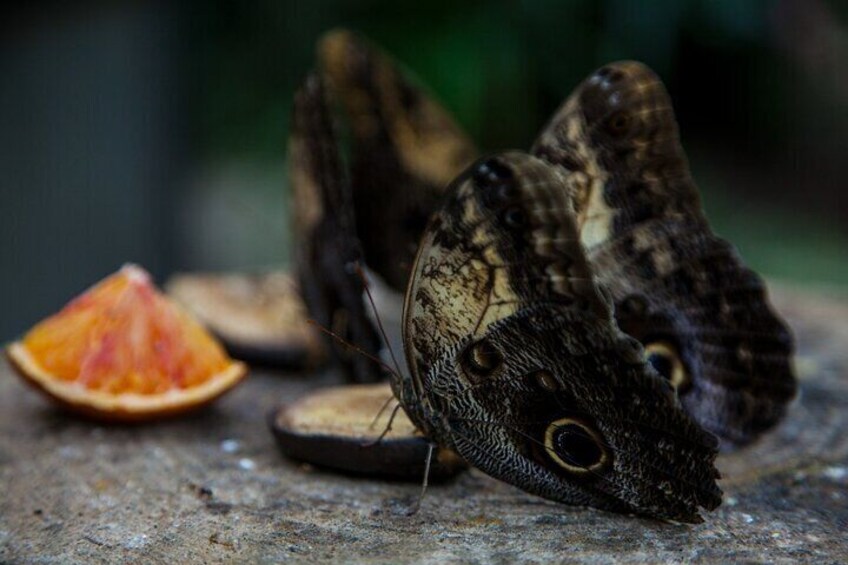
(121, 351)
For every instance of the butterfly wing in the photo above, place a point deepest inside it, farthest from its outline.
(516, 363)
(327, 246)
(372, 206)
(703, 317)
(404, 148)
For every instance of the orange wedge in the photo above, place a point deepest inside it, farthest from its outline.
(122, 351)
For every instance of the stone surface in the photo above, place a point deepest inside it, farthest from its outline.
(213, 488)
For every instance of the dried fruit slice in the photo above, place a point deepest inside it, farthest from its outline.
(335, 428)
(123, 352)
(260, 318)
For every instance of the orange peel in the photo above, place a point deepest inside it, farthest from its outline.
(122, 351)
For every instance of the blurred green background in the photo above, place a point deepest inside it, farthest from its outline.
(155, 132)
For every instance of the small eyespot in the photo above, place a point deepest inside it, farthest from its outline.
(492, 172)
(545, 380)
(575, 446)
(515, 217)
(481, 358)
(665, 360)
(619, 124)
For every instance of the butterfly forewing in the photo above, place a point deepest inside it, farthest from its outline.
(502, 239)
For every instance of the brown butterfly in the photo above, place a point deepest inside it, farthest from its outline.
(516, 363)
(516, 359)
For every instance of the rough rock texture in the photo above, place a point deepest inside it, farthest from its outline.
(213, 488)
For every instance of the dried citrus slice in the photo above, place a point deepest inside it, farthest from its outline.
(335, 428)
(121, 351)
(260, 318)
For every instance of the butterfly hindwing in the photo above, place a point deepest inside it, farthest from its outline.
(369, 203)
(327, 245)
(517, 364)
(404, 150)
(703, 317)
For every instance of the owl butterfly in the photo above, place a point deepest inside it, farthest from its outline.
(514, 350)
(404, 150)
(516, 362)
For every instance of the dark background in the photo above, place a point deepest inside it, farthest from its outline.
(155, 132)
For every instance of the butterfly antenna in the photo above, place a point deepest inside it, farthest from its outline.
(417, 506)
(356, 348)
(361, 273)
(364, 280)
(396, 371)
(380, 362)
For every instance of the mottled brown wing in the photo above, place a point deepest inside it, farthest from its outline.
(703, 317)
(516, 363)
(326, 244)
(372, 206)
(404, 147)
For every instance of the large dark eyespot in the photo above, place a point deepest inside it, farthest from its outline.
(481, 359)
(575, 447)
(515, 217)
(665, 360)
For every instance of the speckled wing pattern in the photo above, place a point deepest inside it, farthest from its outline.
(703, 317)
(327, 246)
(405, 149)
(516, 362)
(372, 206)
